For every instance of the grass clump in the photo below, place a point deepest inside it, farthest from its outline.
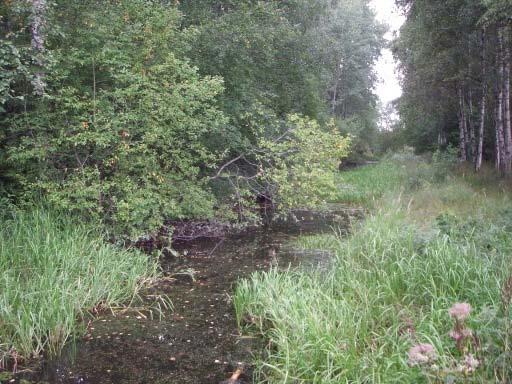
(397, 172)
(392, 285)
(366, 184)
(52, 271)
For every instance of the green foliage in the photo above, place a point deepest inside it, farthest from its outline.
(125, 141)
(145, 100)
(497, 10)
(14, 56)
(361, 130)
(443, 163)
(53, 270)
(304, 163)
(279, 58)
(11, 68)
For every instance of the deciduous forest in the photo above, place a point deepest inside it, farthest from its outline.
(133, 112)
(455, 63)
(211, 191)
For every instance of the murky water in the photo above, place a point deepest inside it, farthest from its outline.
(198, 342)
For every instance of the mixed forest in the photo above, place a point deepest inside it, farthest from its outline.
(455, 64)
(134, 113)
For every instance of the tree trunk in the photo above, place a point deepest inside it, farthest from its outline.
(467, 138)
(334, 96)
(497, 150)
(441, 139)
(38, 32)
(500, 131)
(479, 154)
(463, 155)
(506, 102)
(500, 138)
(472, 136)
(337, 76)
(480, 148)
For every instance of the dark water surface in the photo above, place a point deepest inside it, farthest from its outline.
(198, 341)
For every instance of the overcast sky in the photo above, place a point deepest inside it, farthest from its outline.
(388, 89)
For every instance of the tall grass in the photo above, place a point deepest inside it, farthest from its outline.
(391, 286)
(367, 184)
(52, 270)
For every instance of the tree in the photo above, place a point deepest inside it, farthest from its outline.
(447, 64)
(126, 111)
(122, 136)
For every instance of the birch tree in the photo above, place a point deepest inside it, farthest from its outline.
(38, 29)
(456, 61)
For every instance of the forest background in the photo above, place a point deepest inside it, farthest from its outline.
(135, 113)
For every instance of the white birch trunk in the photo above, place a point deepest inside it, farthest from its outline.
(500, 139)
(480, 147)
(38, 32)
(471, 126)
(497, 151)
(463, 155)
(506, 102)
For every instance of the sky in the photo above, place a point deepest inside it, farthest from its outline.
(388, 88)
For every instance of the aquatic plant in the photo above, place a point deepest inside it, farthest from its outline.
(54, 271)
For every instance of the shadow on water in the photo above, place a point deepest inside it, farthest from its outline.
(199, 341)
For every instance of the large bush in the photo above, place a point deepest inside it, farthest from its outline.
(123, 134)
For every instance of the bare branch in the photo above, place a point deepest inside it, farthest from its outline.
(219, 172)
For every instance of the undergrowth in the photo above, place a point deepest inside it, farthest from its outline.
(435, 238)
(53, 270)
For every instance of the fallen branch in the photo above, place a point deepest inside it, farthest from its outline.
(234, 377)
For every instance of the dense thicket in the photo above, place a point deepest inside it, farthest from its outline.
(135, 112)
(455, 62)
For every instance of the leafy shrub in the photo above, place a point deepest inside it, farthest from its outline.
(303, 164)
(131, 149)
(443, 163)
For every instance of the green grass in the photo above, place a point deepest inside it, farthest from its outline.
(52, 271)
(398, 173)
(364, 185)
(426, 246)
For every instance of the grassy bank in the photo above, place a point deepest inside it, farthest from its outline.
(435, 238)
(52, 271)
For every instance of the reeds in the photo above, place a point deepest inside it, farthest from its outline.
(391, 286)
(52, 271)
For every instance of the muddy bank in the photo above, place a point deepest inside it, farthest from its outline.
(198, 342)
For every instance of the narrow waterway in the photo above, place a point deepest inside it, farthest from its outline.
(198, 342)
